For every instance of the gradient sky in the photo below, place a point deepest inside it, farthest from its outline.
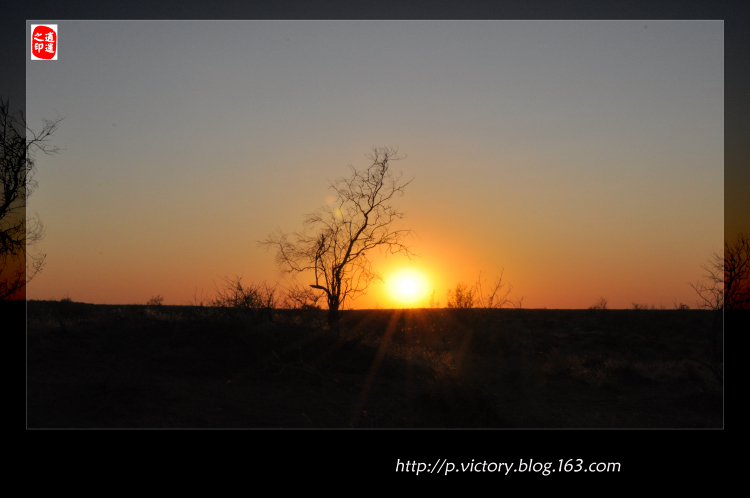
(586, 158)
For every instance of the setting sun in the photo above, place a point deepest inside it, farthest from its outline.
(407, 287)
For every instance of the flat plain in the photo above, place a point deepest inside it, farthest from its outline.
(138, 366)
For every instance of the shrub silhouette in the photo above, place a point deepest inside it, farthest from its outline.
(461, 297)
(155, 301)
(601, 304)
(482, 295)
(259, 299)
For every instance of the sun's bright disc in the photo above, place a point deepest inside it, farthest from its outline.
(408, 287)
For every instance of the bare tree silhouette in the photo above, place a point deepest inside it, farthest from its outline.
(725, 286)
(336, 240)
(19, 143)
(737, 273)
(726, 278)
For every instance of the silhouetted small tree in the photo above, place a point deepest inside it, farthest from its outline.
(483, 295)
(155, 301)
(601, 304)
(17, 233)
(257, 298)
(434, 303)
(495, 295)
(710, 289)
(336, 240)
(461, 297)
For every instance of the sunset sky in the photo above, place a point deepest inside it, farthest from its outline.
(586, 158)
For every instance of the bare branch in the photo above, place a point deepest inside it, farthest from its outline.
(497, 295)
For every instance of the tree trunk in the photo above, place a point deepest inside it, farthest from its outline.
(333, 316)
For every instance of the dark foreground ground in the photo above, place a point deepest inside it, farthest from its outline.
(193, 367)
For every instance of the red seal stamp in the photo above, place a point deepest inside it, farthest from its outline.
(44, 42)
